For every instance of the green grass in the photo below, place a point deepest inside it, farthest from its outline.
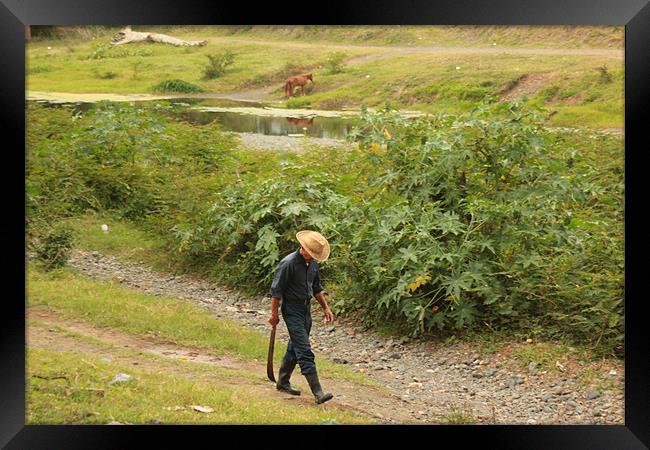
(486, 342)
(108, 304)
(544, 355)
(84, 396)
(73, 72)
(461, 36)
(591, 116)
(542, 352)
(431, 83)
(592, 378)
(123, 355)
(123, 240)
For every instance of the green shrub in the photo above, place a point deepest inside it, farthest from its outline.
(54, 247)
(53, 186)
(475, 222)
(334, 63)
(107, 161)
(116, 157)
(176, 86)
(252, 225)
(103, 51)
(218, 64)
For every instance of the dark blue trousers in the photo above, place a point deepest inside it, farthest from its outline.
(297, 316)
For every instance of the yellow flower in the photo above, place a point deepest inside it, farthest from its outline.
(503, 177)
(387, 134)
(375, 148)
(419, 281)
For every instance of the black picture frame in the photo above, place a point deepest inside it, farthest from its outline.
(15, 14)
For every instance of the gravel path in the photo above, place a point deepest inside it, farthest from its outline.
(299, 144)
(294, 144)
(435, 380)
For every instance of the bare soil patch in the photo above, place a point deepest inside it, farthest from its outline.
(367, 400)
(526, 86)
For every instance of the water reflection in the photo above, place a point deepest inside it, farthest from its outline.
(300, 122)
(318, 127)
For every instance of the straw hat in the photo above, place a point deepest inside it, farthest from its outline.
(315, 244)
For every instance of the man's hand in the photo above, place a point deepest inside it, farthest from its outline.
(275, 306)
(329, 317)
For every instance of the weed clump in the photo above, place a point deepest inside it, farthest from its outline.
(108, 75)
(53, 249)
(334, 62)
(177, 86)
(105, 51)
(605, 76)
(218, 64)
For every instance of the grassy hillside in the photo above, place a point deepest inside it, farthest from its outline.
(461, 36)
(408, 35)
(572, 83)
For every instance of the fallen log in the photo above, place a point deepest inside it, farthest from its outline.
(127, 35)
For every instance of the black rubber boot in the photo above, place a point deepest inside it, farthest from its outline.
(314, 385)
(283, 384)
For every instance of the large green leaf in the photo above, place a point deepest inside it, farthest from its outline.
(294, 209)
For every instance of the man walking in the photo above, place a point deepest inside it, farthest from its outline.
(295, 281)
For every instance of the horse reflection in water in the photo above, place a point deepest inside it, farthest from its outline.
(300, 122)
(298, 80)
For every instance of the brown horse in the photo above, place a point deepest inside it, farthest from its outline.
(300, 122)
(298, 80)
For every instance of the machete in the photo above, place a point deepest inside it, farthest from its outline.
(269, 358)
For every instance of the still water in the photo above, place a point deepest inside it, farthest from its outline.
(247, 121)
(318, 127)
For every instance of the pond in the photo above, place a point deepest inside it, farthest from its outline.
(247, 118)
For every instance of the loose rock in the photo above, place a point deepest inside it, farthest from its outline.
(121, 378)
(591, 395)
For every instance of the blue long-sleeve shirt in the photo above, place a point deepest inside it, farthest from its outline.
(295, 280)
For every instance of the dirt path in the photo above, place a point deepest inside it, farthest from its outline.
(49, 330)
(256, 96)
(386, 51)
(432, 379)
